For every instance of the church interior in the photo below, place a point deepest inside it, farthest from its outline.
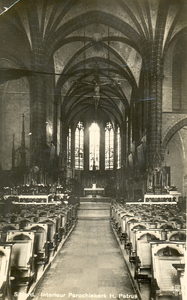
(93, 126)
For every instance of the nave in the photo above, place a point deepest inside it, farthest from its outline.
(93, 103)
(90, 262)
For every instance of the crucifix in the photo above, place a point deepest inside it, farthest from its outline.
(96, 86)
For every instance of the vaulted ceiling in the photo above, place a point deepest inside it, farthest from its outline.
(97, 49)
(97, 57)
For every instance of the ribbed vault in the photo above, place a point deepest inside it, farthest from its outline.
(97, 58)
(88, 59)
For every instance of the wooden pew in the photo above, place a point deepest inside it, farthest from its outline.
(51, 234)
(5, 255)
(164, 275)
(51, 222)
(143, 253)
(169, 225)
(22, 259)
(63, 228)
(40, 249)
(5, 227)
(125, 217)
(176, 235)
(9, 226)
(22, 221)
(181, 289)
(74, 213)
(67, 212)
(138, 226)
(117, 210)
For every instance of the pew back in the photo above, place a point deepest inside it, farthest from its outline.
(164, 255)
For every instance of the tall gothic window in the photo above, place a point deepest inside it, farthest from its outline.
(118, 147)
(127, 135)
(109, 146)
(79, 146)
(69, 147)
(94, 145)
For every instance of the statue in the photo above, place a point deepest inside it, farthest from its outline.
(97, 86)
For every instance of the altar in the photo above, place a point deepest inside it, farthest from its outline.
(94, 191)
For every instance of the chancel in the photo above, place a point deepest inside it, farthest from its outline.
(93, 147)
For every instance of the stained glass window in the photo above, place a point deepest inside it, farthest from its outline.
(109, 146)
(79, 146)
(118, 148)
(127, 135)
(94, 145)
(69, 148)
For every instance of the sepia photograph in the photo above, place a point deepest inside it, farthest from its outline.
(93, 149)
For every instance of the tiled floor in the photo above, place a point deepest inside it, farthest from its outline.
(90, 265)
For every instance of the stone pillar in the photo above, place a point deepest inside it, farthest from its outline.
(154, 75)
(38, 120)
(39, 96)
(153, 97)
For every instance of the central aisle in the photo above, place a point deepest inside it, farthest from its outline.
(90, 262)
